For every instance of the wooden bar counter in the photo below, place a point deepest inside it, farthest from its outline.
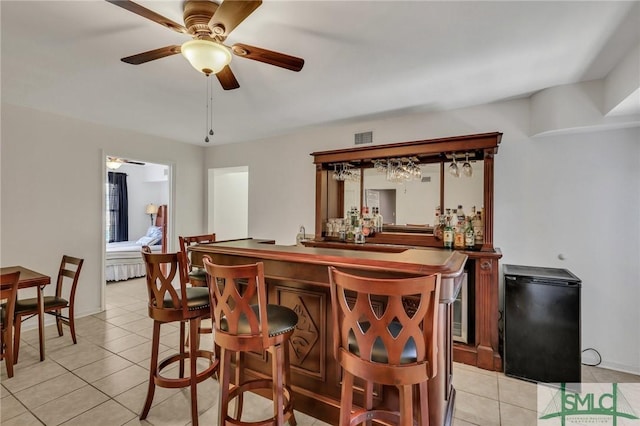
(297, 277)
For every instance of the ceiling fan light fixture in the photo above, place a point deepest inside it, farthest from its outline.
(206, 56)
(113, 164)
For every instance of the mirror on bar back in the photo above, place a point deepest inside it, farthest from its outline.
(410, 205)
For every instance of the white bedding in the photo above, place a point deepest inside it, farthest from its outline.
(124, 260)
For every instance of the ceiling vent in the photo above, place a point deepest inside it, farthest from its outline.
(425, 179)
(362, 138)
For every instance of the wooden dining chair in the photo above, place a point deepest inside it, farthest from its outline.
(243, 322)
(68, 275)
(168, 304)
(380, 339)
(8, 292)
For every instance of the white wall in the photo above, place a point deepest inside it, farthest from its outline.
(52, 177)
(578, 195)
(144, 187)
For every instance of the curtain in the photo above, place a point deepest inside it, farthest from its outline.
(117, 208)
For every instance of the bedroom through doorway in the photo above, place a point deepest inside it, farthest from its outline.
(137, 211)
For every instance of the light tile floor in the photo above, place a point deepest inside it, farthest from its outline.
(103, 379)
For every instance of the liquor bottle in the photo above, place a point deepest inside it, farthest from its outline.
(478, 227)
(458, 236)
(436, 217)
(460, 213)
(438, 230)
(374, 226)
(448, 235)
(354, 217)
(379, 220)
(469, 235)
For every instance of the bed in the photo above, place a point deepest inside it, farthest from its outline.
(123, 259)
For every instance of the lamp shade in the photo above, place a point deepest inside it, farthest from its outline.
(206, 56)
(151, 209)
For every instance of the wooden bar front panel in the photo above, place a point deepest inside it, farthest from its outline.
(301, 283)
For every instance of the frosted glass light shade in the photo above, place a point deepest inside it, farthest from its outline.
(113, 165)
(206, 56)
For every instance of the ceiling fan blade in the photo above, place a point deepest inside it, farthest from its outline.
(268, 56)
(151, 55)
(149, 14)
(230, 14)
(227, 79)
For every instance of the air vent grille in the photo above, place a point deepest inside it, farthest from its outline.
(425, 179)
(362, 138)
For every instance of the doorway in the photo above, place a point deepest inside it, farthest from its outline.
(147, 184)
(385, 200)
(228, 206)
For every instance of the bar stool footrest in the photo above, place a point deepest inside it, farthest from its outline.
(165, 382)
(260, 384)
(361, 415)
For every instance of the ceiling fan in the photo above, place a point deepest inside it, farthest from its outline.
(114, 163)
(209, 24)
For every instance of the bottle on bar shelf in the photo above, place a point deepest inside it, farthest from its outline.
(469, 236)
(478, 227)
(448, 234)
(438, 227)
(460, 214)
(458, 236)
(379, 220)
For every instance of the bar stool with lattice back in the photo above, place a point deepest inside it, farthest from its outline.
(197, 276)
(243, 321)
(166, 305)
(396, 347)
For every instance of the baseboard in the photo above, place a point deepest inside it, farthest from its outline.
(32, 323)
(620, 367)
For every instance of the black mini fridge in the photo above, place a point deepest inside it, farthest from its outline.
(542, 324)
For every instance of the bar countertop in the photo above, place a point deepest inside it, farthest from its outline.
(415, 261)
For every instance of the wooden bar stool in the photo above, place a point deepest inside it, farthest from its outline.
(394, 346)
(197, 276)
(168, 304)
(241, 325)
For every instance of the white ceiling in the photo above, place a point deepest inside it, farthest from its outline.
(363, 59)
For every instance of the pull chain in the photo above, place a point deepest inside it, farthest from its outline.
(209, 119)
(211, 103)
(206, 139)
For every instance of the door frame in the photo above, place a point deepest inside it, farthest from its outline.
(103, 214)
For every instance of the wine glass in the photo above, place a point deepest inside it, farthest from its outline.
(453, 168)
(467, 170)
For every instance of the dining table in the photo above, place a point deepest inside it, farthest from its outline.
(32, 279)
